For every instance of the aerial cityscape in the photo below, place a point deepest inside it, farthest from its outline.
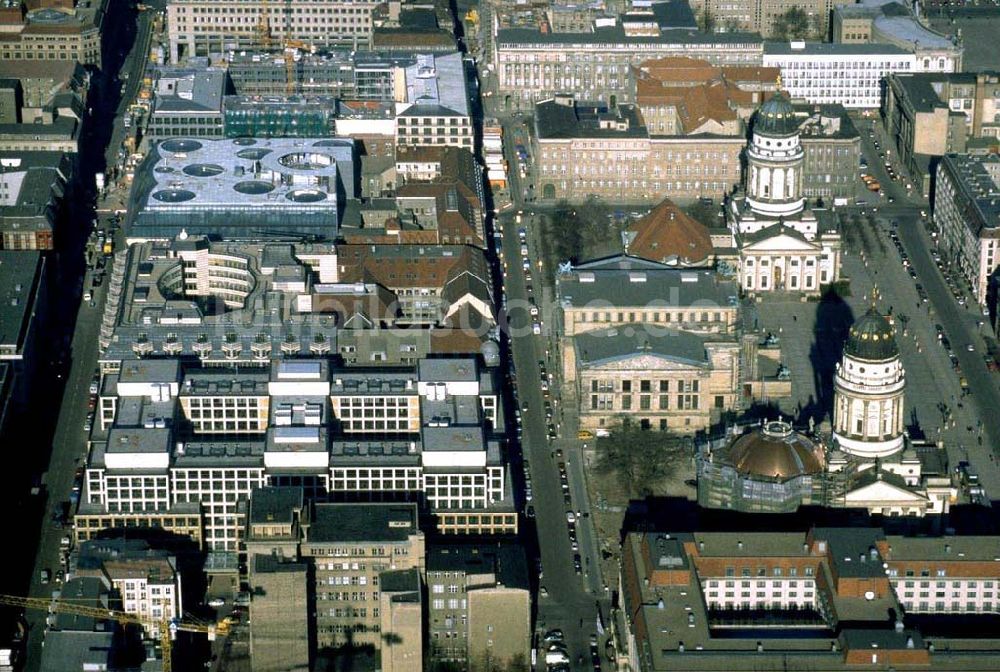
(500, 335)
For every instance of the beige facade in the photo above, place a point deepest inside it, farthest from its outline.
(638, 170)
(499, 633)
(762, 15)
(201, 27)
(279, 615)
(532, 66)
(668, 390)
(401, 614)
(348, 567)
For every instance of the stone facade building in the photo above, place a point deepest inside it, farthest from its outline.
(584, 149)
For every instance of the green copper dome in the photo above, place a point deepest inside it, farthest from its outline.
(871, 338)
(776, 117)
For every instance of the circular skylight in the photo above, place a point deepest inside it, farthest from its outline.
(173, 195)
(164, 169)
(254, 154)
(203, 170)
(306, 161)
(253, 187)
(306, 196)
(180, 146)
(244, 142)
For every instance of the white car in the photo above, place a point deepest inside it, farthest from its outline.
(217, 602)
(536, 329)
(570, 517)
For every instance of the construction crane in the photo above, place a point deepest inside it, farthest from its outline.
(167, 628)
(264, 26)
(292, 47)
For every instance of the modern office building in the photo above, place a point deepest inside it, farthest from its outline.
(327, 73)
(478, 605)
(243, 189)
(967, 213)
(204, 27)
(695, 600)
(279, 116)
(930, 115)
(532, 66)
(583, 149)
(187, 102)
(170, 435)
(845, 74)
(875, 22)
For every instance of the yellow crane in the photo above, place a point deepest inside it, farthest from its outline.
(264, 26)
(291, 47)
(166, 627)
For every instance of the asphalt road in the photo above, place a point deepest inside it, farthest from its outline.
(69, 442)
(571, 601)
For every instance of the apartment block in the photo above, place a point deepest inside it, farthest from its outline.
(478, 605)
(435, 109)
(147, 580)
(351, 548)
(692, 600)
(24, 293)
(204, 27)
(930, 115)
(967, 213)
(831, 147)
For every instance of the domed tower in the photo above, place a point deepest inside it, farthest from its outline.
(774, 183)
(868, 390)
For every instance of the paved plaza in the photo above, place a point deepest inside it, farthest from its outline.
(812, 334)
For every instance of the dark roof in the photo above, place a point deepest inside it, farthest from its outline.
(555, 120)
(629, 341)
(275, 504)
(776, 117)
(871, 338)
(362, 522)
(775, 451)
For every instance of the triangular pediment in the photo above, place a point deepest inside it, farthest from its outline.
(882, 491)
(779, 243)
(645, 361)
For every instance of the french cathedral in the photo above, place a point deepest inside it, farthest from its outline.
(782, 244)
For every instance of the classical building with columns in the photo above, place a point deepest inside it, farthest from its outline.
(868, 391)
(783, 245)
